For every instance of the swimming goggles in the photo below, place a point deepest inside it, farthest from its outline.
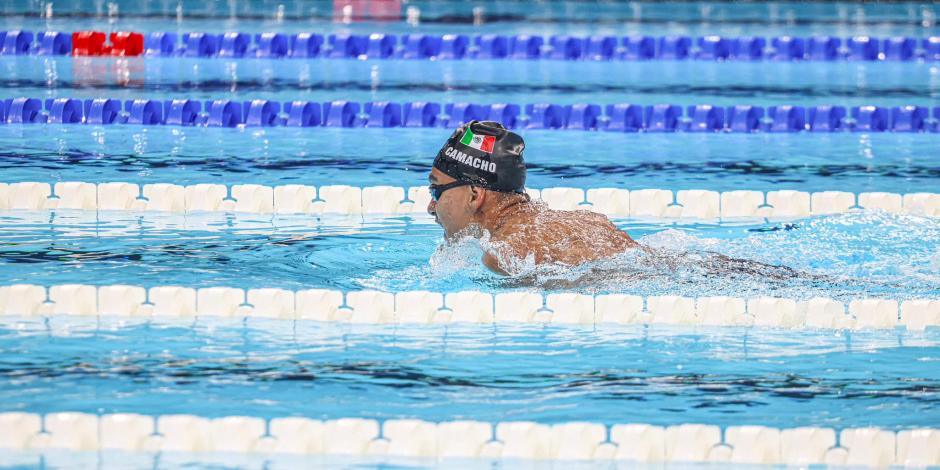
(438, 189)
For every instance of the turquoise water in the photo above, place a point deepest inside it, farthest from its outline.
(440, 17)
(656, 374)
(549, 374)
(482, 81)
(844, 257)
(854, 162)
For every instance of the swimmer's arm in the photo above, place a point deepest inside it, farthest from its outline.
(510, 249)
(492, 263)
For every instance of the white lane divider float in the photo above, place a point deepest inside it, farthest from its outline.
(423, 307)
(339, 199)
(471, 439)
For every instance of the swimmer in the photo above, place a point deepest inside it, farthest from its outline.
(478, 190)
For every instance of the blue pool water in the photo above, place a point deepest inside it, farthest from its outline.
(613, 375)
(571, 17)
(482, 81)
(854, 162)
(549, 374)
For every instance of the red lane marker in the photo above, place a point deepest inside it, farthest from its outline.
(122, 44)
(87, 43)
(127, 44)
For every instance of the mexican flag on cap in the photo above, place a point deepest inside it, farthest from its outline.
(479, 142)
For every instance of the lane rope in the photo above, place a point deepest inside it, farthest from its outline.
(271, 45)
(394, 200)
(870, 446)
(622, 117)
(424, 307)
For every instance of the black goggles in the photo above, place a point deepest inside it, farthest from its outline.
(437, 190)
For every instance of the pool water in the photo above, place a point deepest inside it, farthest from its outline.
(842, 257)
(480, 81)
(441, 17)
(854, 162)
(656, 374)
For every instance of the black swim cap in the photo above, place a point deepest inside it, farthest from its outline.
(485, 154)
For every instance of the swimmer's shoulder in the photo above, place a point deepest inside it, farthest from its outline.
(539, 219)
(602, 221)
(592, 216)
(583, 217)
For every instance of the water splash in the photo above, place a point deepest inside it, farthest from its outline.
(846, 256)
(841, 257)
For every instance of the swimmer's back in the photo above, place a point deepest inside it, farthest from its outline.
(565, 237)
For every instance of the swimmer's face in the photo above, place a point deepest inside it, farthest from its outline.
(456, 208)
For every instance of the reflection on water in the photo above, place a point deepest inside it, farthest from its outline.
(654, 374)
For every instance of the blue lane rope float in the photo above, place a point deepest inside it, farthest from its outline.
(495, 46)
(589, 117)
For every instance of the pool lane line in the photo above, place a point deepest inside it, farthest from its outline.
(468, 439)
(474, 307)
(621, 117)
(690, 205)
(450, 47)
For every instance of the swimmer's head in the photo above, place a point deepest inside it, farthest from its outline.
(484, 154)
(479, 157)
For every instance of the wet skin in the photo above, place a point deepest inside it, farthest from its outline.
(519, 228)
